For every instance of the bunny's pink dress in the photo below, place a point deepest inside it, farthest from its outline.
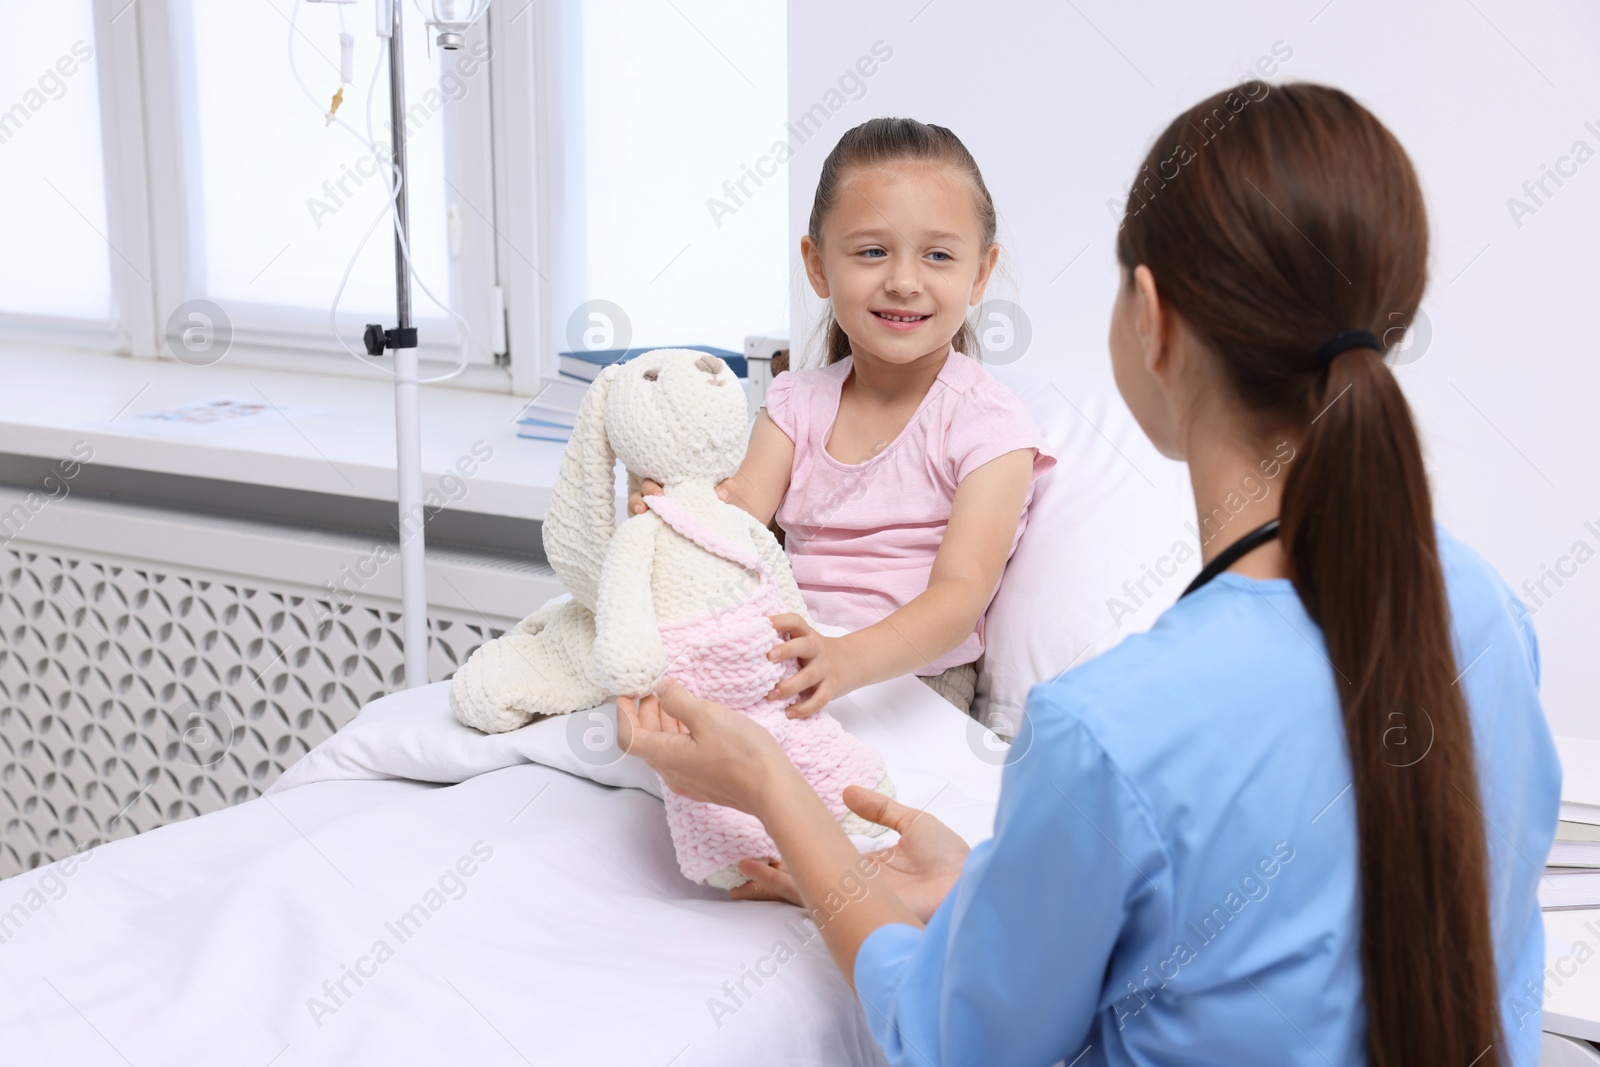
(721, 655)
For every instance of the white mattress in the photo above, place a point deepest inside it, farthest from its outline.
(574, 940)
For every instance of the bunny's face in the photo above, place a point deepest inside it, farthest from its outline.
(673, 415)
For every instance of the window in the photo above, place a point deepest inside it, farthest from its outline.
(574, 151)
(278, 199)
(671, 108)
(57, 265)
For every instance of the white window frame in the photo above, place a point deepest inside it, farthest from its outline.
(494, 159)
(127, 255)
(500, 281)
(523, 79)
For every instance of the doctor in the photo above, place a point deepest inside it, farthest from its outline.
(1301, 820)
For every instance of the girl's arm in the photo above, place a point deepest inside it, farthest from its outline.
(966, 572)
(759, 483)
(762, 479)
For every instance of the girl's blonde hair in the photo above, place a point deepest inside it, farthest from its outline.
(881, 141)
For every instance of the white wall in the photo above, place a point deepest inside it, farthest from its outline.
(1059, 102)
(698, 84)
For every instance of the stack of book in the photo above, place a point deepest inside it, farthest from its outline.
(553, 411)
(1572, 873)
(586, 366)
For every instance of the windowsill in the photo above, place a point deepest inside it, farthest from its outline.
(51, 398)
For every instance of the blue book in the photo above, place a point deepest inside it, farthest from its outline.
(555, 404)
(559, 434)
(586, 366)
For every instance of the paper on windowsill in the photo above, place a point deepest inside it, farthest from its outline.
(210, 418)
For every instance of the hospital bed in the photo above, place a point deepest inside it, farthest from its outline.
(415, 892)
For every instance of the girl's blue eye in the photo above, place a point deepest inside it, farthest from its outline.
(874, 252)
(940, 256)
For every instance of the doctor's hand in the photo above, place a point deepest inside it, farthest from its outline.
(701, 749)
(920, 869)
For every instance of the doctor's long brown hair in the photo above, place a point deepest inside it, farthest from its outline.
(1273, 218)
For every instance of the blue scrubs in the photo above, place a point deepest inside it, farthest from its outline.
(1173, 874)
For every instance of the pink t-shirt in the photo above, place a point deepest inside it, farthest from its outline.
(862, 536)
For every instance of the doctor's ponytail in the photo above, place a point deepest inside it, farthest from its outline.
(1274, 218)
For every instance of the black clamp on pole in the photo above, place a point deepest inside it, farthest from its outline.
(377, 338)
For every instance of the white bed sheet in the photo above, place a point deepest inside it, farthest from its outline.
(576, 941)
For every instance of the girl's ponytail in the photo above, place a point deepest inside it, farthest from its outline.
(877, 142)
(837, 345)
(1274, 219)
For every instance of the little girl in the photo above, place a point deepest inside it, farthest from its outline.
(901, 471)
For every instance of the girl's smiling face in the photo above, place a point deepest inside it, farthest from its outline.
(901, 256)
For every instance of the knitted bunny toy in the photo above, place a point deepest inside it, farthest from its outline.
(682, 591)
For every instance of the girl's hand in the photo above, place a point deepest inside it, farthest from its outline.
(702, 750)
(820, 678)
(921, 868)
(651, 488)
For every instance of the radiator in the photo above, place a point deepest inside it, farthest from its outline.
(156, 665)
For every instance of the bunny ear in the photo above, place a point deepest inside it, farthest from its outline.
(583, 509)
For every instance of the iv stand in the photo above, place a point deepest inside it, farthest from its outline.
(407, 417)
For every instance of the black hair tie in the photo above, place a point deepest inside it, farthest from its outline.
(1344, 342)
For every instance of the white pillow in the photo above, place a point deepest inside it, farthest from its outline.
(1110, 512)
